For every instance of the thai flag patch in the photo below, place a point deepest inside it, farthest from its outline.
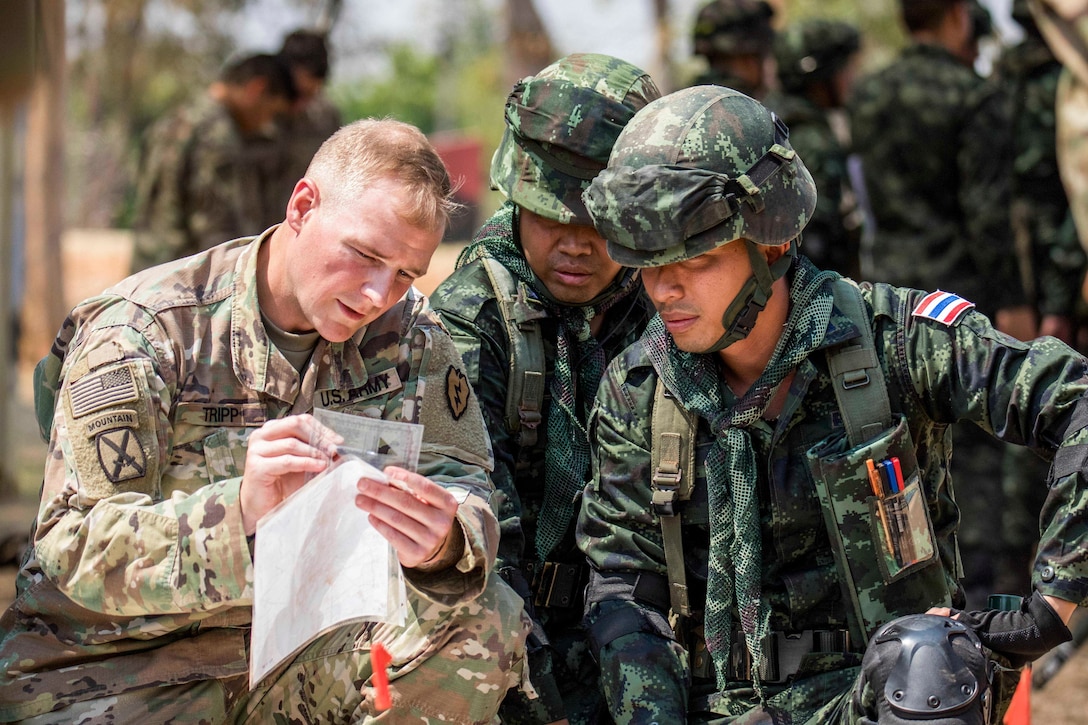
(944, 307)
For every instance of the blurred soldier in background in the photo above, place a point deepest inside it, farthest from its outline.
(936, 151)
(735, 38)
(1051, 258)
(203, 172)
(816, 65)
(312, 118)
(537, 309)
(982, 27)
(1065, 26)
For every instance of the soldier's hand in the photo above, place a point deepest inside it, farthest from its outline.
(1021, 636)
(413, 513)
(278, 459)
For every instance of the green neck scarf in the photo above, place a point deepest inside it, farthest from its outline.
(579, 361)
(736, 557)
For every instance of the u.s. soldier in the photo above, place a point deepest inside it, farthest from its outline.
(177, 409)
(537, 309)
(751, 563)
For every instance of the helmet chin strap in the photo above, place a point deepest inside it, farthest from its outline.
(739, 319)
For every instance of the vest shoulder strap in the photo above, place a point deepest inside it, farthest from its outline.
(521, 313)
(672, 462)
(860, 388)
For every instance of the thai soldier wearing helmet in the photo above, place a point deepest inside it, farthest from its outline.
(812, 591)
(537, 309)
(734, 39)
(816, 64)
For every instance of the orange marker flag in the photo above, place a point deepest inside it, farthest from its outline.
(1019, 712)
(379, 660)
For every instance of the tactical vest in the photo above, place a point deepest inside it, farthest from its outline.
(521, 313)
(862, 396)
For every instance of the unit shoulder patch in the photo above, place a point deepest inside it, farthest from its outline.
(120, 455)
(457, 391)
(944, 307)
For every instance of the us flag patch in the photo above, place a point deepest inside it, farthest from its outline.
(100, 390)
(944, 307)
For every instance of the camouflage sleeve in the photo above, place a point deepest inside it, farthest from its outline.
(484, 350)
(643, 673)
(457, 454)
(1029, 393)
(984, 161)
(105, 535)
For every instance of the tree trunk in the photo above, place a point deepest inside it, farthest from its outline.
(528, 47)
(44, 306)
(663, 69)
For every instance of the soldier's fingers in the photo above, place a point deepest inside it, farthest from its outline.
(299, 427)
(275, 447)
(426, 490)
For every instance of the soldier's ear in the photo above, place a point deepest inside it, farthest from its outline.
(303, 202)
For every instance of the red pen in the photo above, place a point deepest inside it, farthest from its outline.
(379, 660)
(898, 473)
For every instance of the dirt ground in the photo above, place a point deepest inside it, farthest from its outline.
(95, 260)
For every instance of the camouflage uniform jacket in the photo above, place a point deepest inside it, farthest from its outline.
(140, 573)
(467, 302)
(1023, 393)
(825, 240)
(201, 182)
(1041, 219)
(935, 146)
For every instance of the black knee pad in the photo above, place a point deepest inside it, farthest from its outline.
(926, 668)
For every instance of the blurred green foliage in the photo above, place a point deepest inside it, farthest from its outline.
(407, 92)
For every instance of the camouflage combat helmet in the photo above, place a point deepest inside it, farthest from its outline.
(814, 50)
(698, 169)
(560, 127)
(732, 27)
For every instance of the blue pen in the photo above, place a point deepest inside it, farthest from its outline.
(894, 483)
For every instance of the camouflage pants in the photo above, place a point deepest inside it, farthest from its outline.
(450, 665)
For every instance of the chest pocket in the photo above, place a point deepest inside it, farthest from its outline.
(225, 453)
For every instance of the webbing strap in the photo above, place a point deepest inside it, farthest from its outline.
(672, 462)
(521, 314)
(857, 378)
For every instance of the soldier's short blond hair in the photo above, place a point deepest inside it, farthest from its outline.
(371, 149)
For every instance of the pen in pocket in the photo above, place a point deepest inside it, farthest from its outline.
(878, 491)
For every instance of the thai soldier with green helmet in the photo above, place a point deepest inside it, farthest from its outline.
(748, 564)
(816, 63)
(537, 309)
(735, 39)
